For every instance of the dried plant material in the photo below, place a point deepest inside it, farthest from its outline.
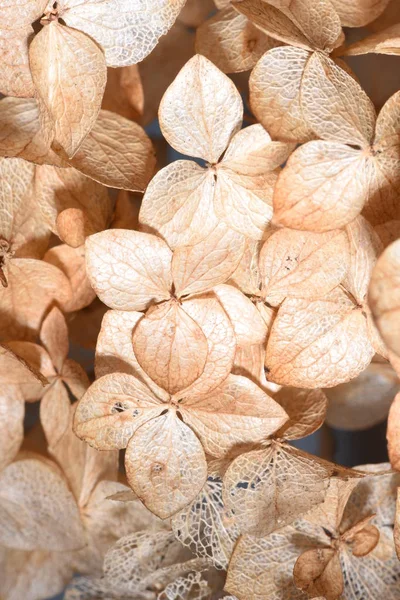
(330, 347)
(359, 12)
(392, 434)
(71, 261)
(231, 41)
(364, 401)
(117, 153)
(69, 73)
(86, 203)
(171, 431)
(195, 11)
(262, 568)
(115, 26)
(24, 527)
(319, 572)
(383, 42)
(206, 527)
(382, 296)
(124, 93)
(237, 188)
(299, 264)
(306, 410)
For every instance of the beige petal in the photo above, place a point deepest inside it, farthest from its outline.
(249, 362)
(114, 350)
(20, 131)
(270, 488)
(306, 410)
(365, 248)
(359, 12)
(335, 105)
(69, 73)
(392, 433)
(127, 269)
(58, 190)
(362, 541)
(273, 22)
(323, 186)
(262, 569)
(318, 343)
(298, 264)
(170, 347)
(250, 328)
(117, 153)
(124, 93)
(52, 524)
(112, 409)
(205, 101)
(26, 368)
(30, 575)
(33, 286)
(383, 296)
(247, 276)
(75, 377)
(16, 179)
(388, 232)
(165, 465)
(12, 412)
(178, 203)
(236, 413)
(365, 401)
(330, 512)
(383, 42)
(206, 527)
(71, 261)
(383, 187)
(396, 532)
(15, 75)
(246, 178)
(54, 337)
(318, 571)
(54, 412)
(387, 125)
(115, 26)
(210, 316)
(197, 269)
(28, 12)
(275, 93)
(231, 41)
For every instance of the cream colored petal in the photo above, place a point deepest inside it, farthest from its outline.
(318, 571)
(387, 125)
(112, 409)
(16, 179)
(365, 247)
(124, 94)
(27, 368)
(12, 412)
(58, 190)
(128, 269)
(323, 186)
(206, 527)
(359, 12)
(246, 178)
(249, 362)
(74, 375)
(270, 488)
(296, 264)
(275, 84)
(383, 42)
(114, 350)
(22, 134)
(170, 347)
(71, 261)
(197, 269)
(335, 105)
(33, 286)
(392, 433)
(250, 328)
(236, 413)
(383, 187)
(273, 22)
(117, 153)
(53, 524)
(231, 41)
(69, 73)
(54, 412)
(214, 322)
(383, 296)
(165, 465)
(364, 401)
(203, 101)
(15, 74)
(54, 337)
(127, 31)
(247, 276)
(306, 410)
(318, 343)
(28, 12)
(178, 203)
